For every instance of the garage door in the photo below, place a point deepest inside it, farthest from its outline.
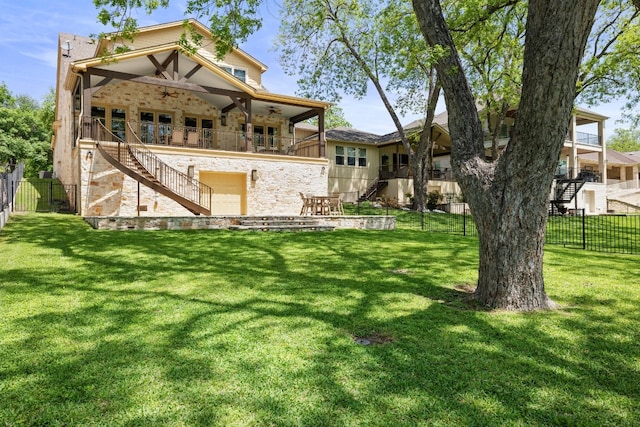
(229, 192)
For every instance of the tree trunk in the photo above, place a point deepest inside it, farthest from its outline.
(509, 198)
(419, 167)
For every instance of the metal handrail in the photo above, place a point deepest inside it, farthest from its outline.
(177, 182)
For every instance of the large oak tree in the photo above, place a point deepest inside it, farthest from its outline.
(508, 196)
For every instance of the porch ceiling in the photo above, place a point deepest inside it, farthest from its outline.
(197, 74)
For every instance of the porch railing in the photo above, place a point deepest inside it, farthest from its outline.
(587, 138)
(151, 133)
(617, 185)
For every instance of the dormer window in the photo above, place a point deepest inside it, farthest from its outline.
(241, 74)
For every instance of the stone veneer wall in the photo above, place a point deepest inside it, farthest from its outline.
(136, 97)
(105, 191)
(619, 206)
(376, 222)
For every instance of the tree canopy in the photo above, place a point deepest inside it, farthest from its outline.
(25, 131)
(625, 140)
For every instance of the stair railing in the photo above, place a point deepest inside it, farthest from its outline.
(178, 182)
(141, 157)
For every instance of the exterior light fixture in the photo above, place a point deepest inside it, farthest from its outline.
(223, 120)
(89, 155)
(254, 175)
(291, 125)
(190, 171)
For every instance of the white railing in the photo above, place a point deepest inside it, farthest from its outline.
(617, 185)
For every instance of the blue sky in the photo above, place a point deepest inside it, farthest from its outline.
(29, 43)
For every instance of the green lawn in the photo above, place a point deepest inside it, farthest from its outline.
(232, 328)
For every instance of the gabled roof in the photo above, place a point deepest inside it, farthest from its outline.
(201, 28)
(137, 63)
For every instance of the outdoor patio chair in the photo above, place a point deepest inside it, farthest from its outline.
(177, 137)
(335, 204)
(307, 205)
(192, 139)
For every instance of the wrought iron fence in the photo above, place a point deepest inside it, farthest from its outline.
(598, 233)
(45, 195)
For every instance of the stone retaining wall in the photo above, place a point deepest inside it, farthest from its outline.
(620, 206)
(375, 222)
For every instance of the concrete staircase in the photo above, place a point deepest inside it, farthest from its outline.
(280, 223)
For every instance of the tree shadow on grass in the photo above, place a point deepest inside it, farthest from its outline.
(212, 328)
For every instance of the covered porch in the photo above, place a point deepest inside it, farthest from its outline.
(168, 98)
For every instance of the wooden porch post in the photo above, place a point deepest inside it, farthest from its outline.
(322, 134)
(249, 130)
(86, 106)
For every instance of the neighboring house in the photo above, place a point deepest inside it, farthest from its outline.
(157, 131)
(388, 174)
(369, 166)
(622, 186)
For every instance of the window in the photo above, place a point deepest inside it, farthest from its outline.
(155, 127)
(354, 156)
(506, 131)
(114, 119)
(339, 155)
(240, 74)
(191, 122)
(362, 157)
(351, 156)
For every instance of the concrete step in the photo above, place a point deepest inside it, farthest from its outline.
(277, 222)
(282, 227)
(280, 223)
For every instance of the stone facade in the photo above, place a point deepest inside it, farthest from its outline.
(105, 191)
(619, 206)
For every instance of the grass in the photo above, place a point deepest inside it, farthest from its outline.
(601, 233)
(252, 329)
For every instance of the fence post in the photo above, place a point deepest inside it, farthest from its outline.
(51, 207)
(584, 231)
(358, 201)
(464, 221)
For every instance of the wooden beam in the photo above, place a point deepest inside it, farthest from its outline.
(160, 70)
(306, 115)
(161, 82)
(176, 73)
(237, 103)
(191, 73)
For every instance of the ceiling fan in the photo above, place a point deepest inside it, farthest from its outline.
(166, 93)
(274, 110)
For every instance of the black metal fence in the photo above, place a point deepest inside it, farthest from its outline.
(45, 195)
(10, 177)
(599, 233)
